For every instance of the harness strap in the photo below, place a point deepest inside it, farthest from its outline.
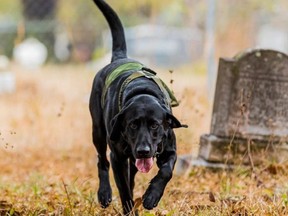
(138, 70)
(148, 73)
(130, 66)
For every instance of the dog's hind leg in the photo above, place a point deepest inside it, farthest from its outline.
(104, 191)
(120, 170)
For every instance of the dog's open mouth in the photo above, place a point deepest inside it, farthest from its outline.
(144, 165)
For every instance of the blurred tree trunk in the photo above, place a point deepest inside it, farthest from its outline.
(209, 50)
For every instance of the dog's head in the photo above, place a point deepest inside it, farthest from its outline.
(143, 123)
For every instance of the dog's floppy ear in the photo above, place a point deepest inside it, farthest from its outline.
(174, 122)
(116, 126)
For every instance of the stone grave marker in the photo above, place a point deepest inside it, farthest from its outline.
(250, 112)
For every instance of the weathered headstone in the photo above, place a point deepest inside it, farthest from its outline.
(250, 112)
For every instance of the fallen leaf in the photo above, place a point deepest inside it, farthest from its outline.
(212, 197)
(137, 202)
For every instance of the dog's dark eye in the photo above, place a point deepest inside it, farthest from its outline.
(133, 126)
(154, 126)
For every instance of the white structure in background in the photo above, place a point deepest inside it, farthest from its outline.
(164, 46)
(31, 53)
(272, 31)
(62, 46)
(272, 37)
(7, 79)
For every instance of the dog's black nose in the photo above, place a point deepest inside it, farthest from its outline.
(143, 150)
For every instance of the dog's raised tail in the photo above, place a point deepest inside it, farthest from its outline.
(119, 50)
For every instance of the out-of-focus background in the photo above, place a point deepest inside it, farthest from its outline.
(165, 33)
(50, 51)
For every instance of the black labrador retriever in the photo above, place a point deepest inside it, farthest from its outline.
(131, 111)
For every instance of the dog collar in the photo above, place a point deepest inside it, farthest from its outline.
(138, 70)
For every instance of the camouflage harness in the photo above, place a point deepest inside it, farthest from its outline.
(138, 70)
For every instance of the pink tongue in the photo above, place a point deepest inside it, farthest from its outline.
(144, 164)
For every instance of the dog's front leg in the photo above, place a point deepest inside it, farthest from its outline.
(153, 194)
(120, 170)
(104, 190)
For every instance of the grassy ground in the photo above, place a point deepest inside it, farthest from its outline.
(48, 162)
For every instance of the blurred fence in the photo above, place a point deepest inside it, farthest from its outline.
(55, 23)
(71, 29)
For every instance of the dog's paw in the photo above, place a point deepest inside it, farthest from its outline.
(104, 196)
(151, 198)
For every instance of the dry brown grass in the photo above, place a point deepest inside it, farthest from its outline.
(48, 162)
